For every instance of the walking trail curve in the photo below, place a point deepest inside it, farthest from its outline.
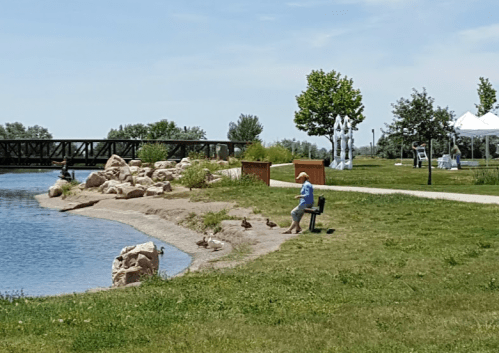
(236, 172)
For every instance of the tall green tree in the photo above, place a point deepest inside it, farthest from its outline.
(162, 130)
(328, 95)
(417, 120)
(129, 132)
(487, 95)
(17, 130)
(247, 128)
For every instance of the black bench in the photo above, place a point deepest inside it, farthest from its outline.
(314, 211)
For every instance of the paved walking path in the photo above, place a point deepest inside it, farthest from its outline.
(236, 172)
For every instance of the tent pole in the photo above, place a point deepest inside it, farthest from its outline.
(471, 147)
(487, 149)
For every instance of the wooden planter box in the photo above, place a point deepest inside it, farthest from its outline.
(315, 169)
(260, 169)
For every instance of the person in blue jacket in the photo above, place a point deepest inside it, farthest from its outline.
(306, 201)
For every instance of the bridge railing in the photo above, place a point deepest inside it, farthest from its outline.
(92, 153)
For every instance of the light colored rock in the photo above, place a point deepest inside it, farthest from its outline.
(56, 189)
(81, 186)
(165, 185)
(214, 180)
(107, 184)
(145, 172)
(232, 160)
(129, 192)
(135, 262)
(162, 174)
(125, 175)
(115, 161)
(164, 164)
(154, 191)
(111, 190)
(144, 181)
(182, 166)
(135, 163)
(134, 170)
(95, 179)
(185, 160)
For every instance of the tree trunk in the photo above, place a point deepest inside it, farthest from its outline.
(429, 164)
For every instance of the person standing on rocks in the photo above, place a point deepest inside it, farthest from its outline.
(306, 201)
(64, 171)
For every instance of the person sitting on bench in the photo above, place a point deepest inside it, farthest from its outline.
(306, 201)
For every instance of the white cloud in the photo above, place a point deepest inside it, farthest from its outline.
(190, 17)
(480, 34)
(266, 18)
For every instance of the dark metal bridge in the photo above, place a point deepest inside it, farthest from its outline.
(93, 154)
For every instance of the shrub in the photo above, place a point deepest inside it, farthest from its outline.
(194, 177)
(279, 154)
(486, 177)
(152, 152)
(246, 180)
(255, 152)
(196, 155)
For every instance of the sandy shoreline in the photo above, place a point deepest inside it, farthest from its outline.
(158, 218)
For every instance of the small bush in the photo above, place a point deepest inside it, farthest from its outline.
(194, 177)
(486, 177)
(196, 155)
(152, 152)
(255, 152)
(246, 180)
(279, 154)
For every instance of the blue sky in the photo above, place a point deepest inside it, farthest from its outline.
(80, 68)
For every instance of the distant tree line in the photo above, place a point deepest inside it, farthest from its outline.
(12, 131)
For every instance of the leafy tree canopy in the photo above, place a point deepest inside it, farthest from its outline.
(328, 95)
(416, 120)
(160, 130)
(19, 131)
(247, 128)
(487, 95)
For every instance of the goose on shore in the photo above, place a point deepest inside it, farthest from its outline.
(245, 224)
(215, 244)
(271, 224)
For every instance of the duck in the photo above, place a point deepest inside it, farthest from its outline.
(202, 242)
(271, 224)
(161, 251)
(215, 244)
(245, 224)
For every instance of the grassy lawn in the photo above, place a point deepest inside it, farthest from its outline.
(399, 274)
(383, 173)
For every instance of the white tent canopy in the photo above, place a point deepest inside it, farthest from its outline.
(469, 125)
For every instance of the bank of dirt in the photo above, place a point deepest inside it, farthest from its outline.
(159, 217)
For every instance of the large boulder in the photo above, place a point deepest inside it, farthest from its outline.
(134, 170)
(129, 192)
(143, 181)
(115, 161)
(182, 166)
(109, 184)
(165, 185)
(134, 262)
(56, 189)
(162, 174)
(135, 163)
(125, 174)
(164, 164)
(145, 172)
(154, 191)
(95, 179)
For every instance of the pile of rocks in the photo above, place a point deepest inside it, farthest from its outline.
(134, 262)
(136, 179)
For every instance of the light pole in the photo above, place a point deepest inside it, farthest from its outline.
(374, 146)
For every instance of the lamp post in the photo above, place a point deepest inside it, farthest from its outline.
(374, 146)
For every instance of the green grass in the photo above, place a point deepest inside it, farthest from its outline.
(382, 173)
(399, 274)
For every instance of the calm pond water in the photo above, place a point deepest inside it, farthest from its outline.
(46, 252)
